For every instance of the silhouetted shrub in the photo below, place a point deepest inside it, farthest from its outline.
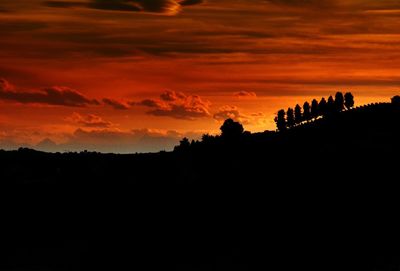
(322, 107)
(298, 117)
(339, 101)
(290, 117)
(207, 139)
(396, 100)
(330, 105)
(306, 111)
(314, 108)
(184, 145)
(348, 100)
(280, 120)
(231, 129)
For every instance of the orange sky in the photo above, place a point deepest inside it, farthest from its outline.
(137, 75)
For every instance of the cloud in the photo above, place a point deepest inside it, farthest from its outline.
(149, 103)
(330, 5)
(190, 2)
(167, 7)
(171, 96)
(89, 120)
(245, 94)
(116, 104)
(65, 4)
(56, 95)
(307, 3)
(5, 85)
(47, 144)
(177, 105)
(232, 112)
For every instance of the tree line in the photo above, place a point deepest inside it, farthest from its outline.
(232, 131)
(290, 118)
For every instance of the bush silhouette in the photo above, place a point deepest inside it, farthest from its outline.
(231, 129)
(183, 146)
(280, 120)
(330, 106)
(348, 100)
(306, 111)
(207, 139)
(339, 101)
(298, 117)
(290, 117)
(314, 108)
(322, 107)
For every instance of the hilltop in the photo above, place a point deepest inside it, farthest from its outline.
(321, 194)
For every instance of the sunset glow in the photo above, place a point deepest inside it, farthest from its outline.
(138, 75)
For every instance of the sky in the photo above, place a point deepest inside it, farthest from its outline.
(138, 75)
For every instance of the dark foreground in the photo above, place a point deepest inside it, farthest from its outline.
(319, 197)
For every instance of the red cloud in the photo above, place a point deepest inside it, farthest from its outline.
(115, 104)
(232, 112)
(171, 96)
(63, 96)
(245, 94)
(178, 105)
(5, 85)
(167, 7)
(89, 120)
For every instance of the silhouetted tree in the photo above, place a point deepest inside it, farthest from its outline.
(290, 117)
(348, 100)
(184, 145)
(322, 107)
(280, 120)
(339, 101)
(396, 100)
(207, 139)
(306, 111)
(231, 129)
(298, 117)
(314, 108)
(193, 143)
(247, 134)
(330, 105)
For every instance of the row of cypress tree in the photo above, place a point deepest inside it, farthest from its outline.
(290, 118)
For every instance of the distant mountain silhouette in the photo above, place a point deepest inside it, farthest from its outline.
(321, 194)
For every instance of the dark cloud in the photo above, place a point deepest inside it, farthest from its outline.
(190, 2)
(8, 27)
(115, 104)
(149, 103)
(177, 105)
(89, 120)
(232, 112)
(168, 7)
(5, 85)
(245, 94)
(330, 5)
(171, 96)
(57, 95)
(65, 4)
(309, 3)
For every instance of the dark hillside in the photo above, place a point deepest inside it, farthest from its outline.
(322, 195)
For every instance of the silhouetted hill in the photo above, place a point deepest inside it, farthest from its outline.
(322, 195)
